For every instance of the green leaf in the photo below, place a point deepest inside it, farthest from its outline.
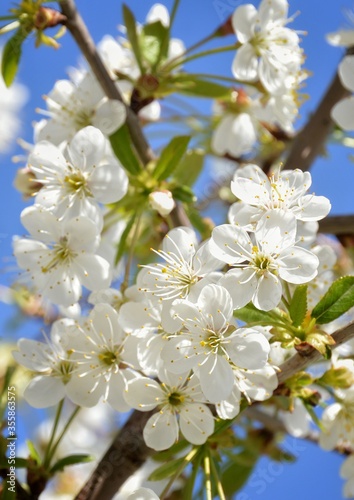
(338, 300)
(298, 305)
(70, 460)
(11, 56)
(170, 157)
(250, 314)
(189, 168)
(33, 452)
(187, 84)
(235, 476)
(167, 469)
(154, 43)
(122, 243)
(183, 193)
(163, 456)
(132, 34)
(122, 147)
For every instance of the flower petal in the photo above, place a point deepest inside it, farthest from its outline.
(196, 423)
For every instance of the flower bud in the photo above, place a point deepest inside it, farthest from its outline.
(26, 183)
(162, 201)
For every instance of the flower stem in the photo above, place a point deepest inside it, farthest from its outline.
(61, 435)
(207, 472)
(217, 479)
(48, 454)
(188, 458)
(170, 67)
(125, 283)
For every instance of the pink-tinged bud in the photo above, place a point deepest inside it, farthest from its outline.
(26, 183)
(162, 201)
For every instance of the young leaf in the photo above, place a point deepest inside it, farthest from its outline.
(298, 305)
(163, 456)
(250, 314)
(33, 452)
(121, 145)
(70, 460)
(20, 463)
(167, 469)
(338, 300)
(235, 476)
(11, 57)
(189, 168)
(183, 193)
(188, 84)
(170, 157)
(130, 24)
(122, 243)
(154, 43)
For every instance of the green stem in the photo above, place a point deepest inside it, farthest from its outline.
(170, 67)
(189, 486)
(173, 13)
(217, 479)
(125, 283)
(213, 77)
(287, 291)
(285, 302)
(207, 472)
(188, 458)
(61, 435)
(48, 454)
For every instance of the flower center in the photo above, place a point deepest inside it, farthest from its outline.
(61, 254)
(108, 358)
(64, 369)
(176, 399)
(83, 119)
(261, 262)
(76, 182)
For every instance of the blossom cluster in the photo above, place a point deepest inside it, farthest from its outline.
(170, 343)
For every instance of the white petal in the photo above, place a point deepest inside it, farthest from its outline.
(216, 301)
(248, 349)
(29, 253)
(276, 230)
(268, 293)
(44, 391)
(82, 234)
(108, 183)
(297, 265)
(83, 391)
(245, 64)
(252, 186)
(313, 208)
(243, 22)
(241, 285)
(143, 494)
(32, 355)
(94, 271)
(105, 322)
(181, 241)
(272, 11)
(230, 244)
(109, 116)
(196, 423)
(116, 394)
(230, 407)
(346, 71)
(161, 431)
(41, 224)
(243, 215)
(343, 113)
(46, 159)
(87, 148)
(143, 394)
(216, 378)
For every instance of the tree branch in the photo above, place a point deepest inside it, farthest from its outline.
(125, 456)
(337, 224)
(298, 362)
(81, 35)
(309, 143)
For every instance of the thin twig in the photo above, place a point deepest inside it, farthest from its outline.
(80, 33)
(337, 224)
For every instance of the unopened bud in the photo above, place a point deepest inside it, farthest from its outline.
(26, 183)
(162, 201)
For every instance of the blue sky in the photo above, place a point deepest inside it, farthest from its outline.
(316, 473)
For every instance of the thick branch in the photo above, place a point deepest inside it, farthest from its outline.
(80, 33)
(310, 142)
(299, 362)
(125, 456)
(337, 224)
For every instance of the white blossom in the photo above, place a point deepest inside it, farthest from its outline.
(347, 472)
(73, 106)
(162, 202)
(181, 405)
(76, 182)
(269, 51)
(260, 267)
(210, 345)
(286, 190)
(60, 256)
